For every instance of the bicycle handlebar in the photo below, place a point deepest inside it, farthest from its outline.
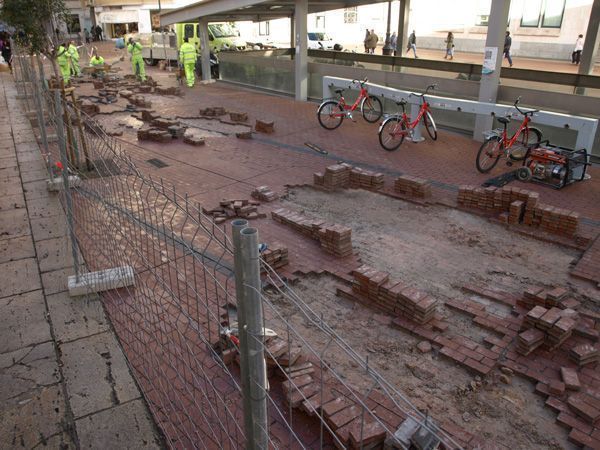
(525, 113)
(361, 82)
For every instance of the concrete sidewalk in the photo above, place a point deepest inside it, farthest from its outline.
(64, 381)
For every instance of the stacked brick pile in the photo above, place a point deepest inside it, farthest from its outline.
(365, 179)
(228, 209)
(191, 137)
(264, 127)
(537, 296)
(264, 194)
(584, 354)
(334, 239)
(238, 117)
(154, 134)
(519, 206)
(276, 256)
(213, 111)
(88, 107)
(412, 186)
(555, 325)
(341, 176)
(393, 297)
(167, 91)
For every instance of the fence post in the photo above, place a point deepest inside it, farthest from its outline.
(39, 106)
(60, 133)
(237, 226)
(256, 382)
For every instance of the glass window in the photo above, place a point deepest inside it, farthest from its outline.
(553, 13)
(221, 30)
(351, 15)
(188, 31)
(73, 25)
(531, 13)
(264, 28)
(320, 22)
(483, 13)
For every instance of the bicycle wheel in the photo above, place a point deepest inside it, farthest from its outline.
(371, 109)
(430, 125)
(330, 114)
(391, 133)
(489, 154)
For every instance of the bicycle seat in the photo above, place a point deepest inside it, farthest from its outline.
(339, 91)
(504, 120)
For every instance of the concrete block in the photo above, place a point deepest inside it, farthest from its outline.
(57, 184)
(19, 276)
(74, 319)
(23, 321)
(27, 368)
(103, 280)
(97, 358)
(124, 426)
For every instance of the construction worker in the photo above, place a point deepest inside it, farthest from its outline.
(74, 54)
(137, 62)
(187, 57)
(63, 58)
(97, 62)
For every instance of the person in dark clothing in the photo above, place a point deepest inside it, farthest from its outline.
(507, 45)
(6, 50)
(412, 43)
(99, 32)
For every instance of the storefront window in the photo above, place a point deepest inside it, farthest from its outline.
(531, 13)
(543, 13)
(553, 13)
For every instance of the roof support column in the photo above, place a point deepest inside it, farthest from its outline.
(301, 53)
(204, 47)
(292, 32)
(488, 87)
(590, 46)
(402, 26)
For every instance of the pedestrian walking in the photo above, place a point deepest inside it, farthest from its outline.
(372, 42)
(74, 57)
(366, 40)
(576, 56)
(187, 57)
(412, 43)
(87, 35)
(6, 50)
(449, 46)
(507, 45)
(99, 32)
(63, 60)
(137, 62)
(394, 41)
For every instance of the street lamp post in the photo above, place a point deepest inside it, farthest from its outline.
(387, 48)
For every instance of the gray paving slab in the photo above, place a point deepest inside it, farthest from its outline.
(54, 254)
(49, 227)
(48, 206)
(76, 317)
(16, 248)
(14, 223)
(23, 321)
(26, 369)
(9, 161)
(35, 189)
(10, 186)
(32, 165)
(34, 175)
(56, 280)
(126, 426)
(19, 276)
(27, 420)
(9, 202)
(86, 359)
(6, 172)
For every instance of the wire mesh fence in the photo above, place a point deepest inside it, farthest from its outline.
(180, 325)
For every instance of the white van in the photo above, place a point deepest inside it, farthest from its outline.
(319, 41)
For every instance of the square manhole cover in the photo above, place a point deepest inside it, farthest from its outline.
(157, 163)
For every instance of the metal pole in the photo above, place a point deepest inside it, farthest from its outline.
(162, 34)
(236, 227)
(65, 174)
(257, 369)
(387, 49)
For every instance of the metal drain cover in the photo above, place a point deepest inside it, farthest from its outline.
(157, 163)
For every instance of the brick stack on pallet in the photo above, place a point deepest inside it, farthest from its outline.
(584, 354)
(529, 340)
(412, 186)
(276, 256)
(365, 179)
(264, 194)
(228, 209)
(515, 212)
(537, 296)
(334, 239)
(392, 297)
(556, 326)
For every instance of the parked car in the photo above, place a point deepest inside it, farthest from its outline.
(319, 41)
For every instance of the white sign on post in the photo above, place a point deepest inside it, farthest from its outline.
(489, 60)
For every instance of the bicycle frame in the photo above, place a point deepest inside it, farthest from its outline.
(363, 94)
(411, 125)
(509, 142)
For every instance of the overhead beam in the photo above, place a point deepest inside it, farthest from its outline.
(204, 9)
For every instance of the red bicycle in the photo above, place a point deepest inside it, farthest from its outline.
(514, 148)
(393, 129)
(331, 113)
